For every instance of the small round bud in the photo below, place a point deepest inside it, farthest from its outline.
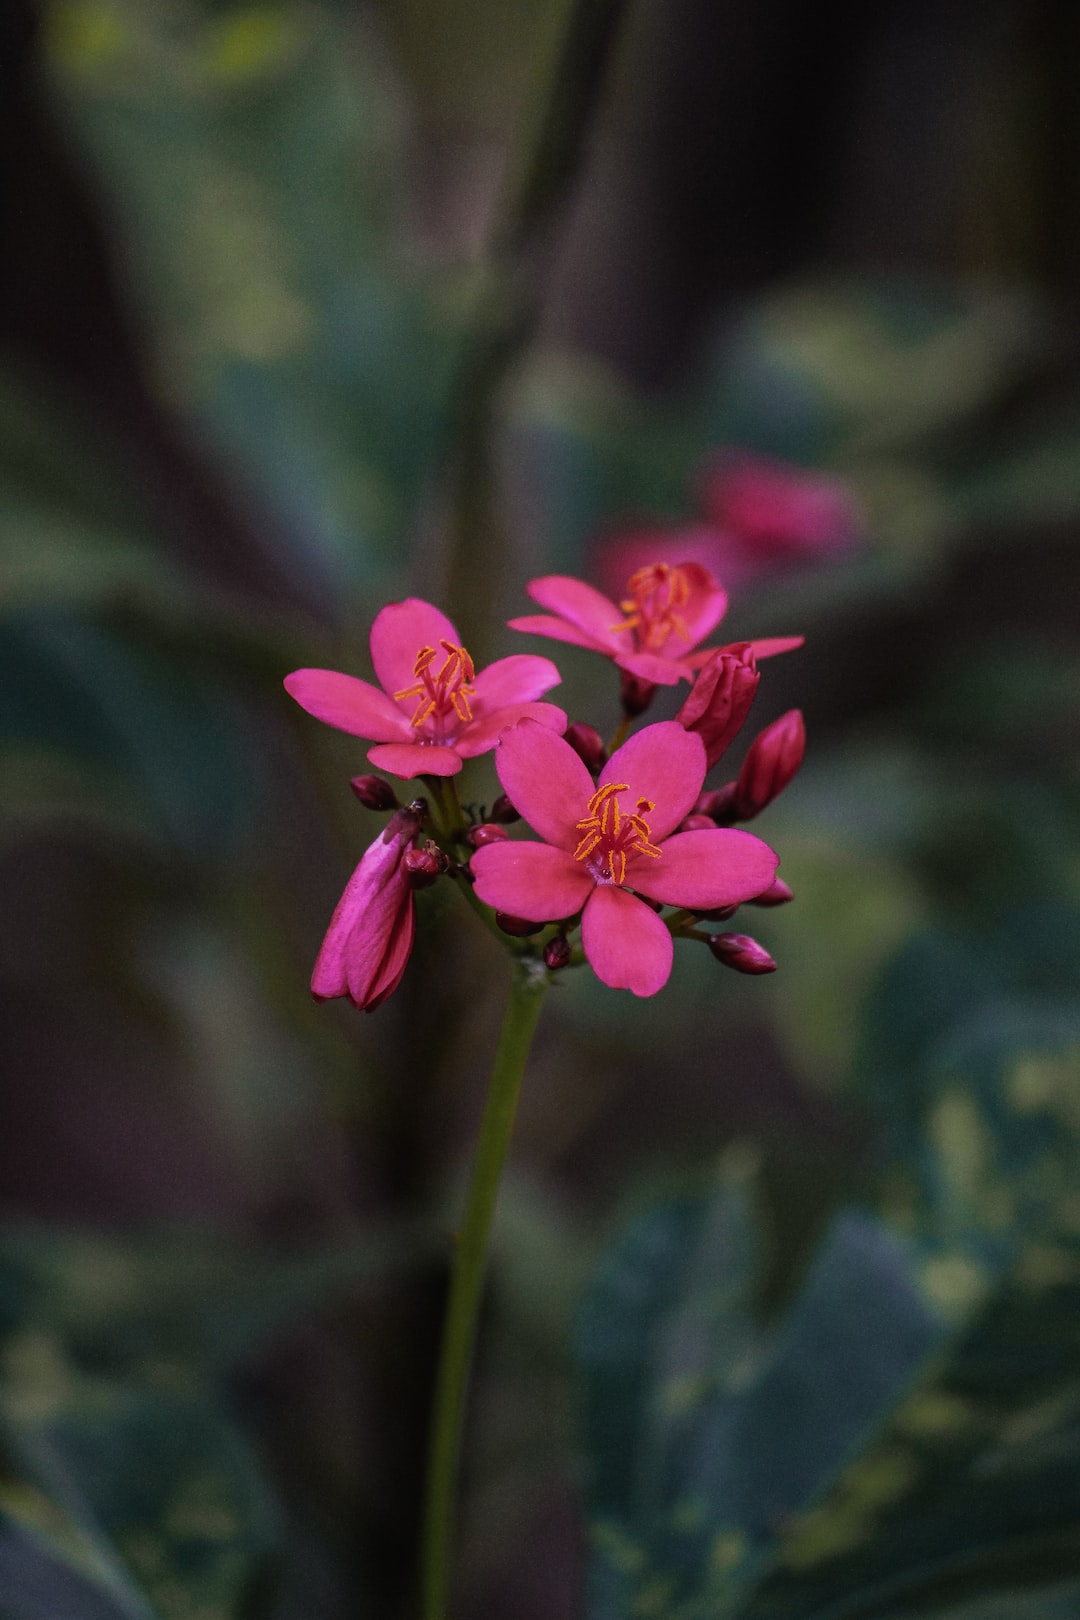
(519, 927)
(777, 894)
(635, 695)
(588, 745)
(486, 833)
(374, 792)
(503, 810)
(718, 805)
(696, 823)
(557, 953)
(742, 953)
(422, 868)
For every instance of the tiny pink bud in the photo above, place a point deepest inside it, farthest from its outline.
(486, 833)
(374, 792)
(422, 868)
(557, 953)
(635, 695)
(519, 927)
(697, 823)
(503, 810)
(588, 745)
(773, 758)
(742, 953)
(720, 698)
(777, 894)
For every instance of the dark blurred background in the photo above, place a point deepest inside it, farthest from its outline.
(271, 276)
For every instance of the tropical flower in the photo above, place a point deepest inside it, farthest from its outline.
(608, 850)
(777, 512)
(435, 709)
(371, 932)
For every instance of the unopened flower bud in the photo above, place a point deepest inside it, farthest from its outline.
(374, 792)
(697, 823)
(719, 913)
(742, 953)
(425, 865)
(519, 927)
(588, 744)
(635, 695)
(777, 894)
(503, 810)
(774, 756)
(720, 698)
(557, 953)
(486, 833)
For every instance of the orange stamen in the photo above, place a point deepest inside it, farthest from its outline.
(610, 836)
(448, 691)
(656, 595)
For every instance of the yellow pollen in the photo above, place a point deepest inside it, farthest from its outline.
(609, 835)
(656, 595)
(449, 690)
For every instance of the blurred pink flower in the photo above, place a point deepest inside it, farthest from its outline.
(596, 853)
(778, 513)
(371, 932)
(434, 709)
(651, 633)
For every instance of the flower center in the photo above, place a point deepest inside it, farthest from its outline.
(443, 693)
(656, 595)
(609, 835)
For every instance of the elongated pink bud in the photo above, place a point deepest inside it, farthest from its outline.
(371, 932)
(720, 698)
(374, 792)
(777, 894)
(742, 953)
(773, 758)
(588, 745)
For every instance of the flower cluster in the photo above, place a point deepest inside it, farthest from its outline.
(630, 853)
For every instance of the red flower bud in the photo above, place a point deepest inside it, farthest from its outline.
(742, 953)
(557, 953)
(720, 698)
(718, 805)
(503, 810)
(697, 823)
(588, 745)
(635, 695)
(777, 894)
(773, 758)
(374, 793)
(486, 833)
(423, 866)
(519, 927)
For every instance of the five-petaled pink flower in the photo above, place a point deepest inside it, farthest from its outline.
(609, 842)
(653, 633)
(434, 709)
(371, 932)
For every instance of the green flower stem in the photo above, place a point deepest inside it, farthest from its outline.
(466, 1283)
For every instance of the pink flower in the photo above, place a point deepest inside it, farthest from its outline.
(653, 634)
(434, 709)
(371, 932)
(778, 512)
(607, 843)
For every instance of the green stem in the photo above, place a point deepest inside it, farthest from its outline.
(466, 1283)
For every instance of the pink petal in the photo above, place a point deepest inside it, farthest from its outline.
(394, 963)
(415, 759)
(654, 667)
(627, 945)
(535, 881)
(349, 704)
(545, 781)
(363, 924)
(543, 624)
(664, 763)
(518, 679)
(399, 632)
(581, 605)
(721, 867)
(702, 612)
(479, 735)
(769, 646)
